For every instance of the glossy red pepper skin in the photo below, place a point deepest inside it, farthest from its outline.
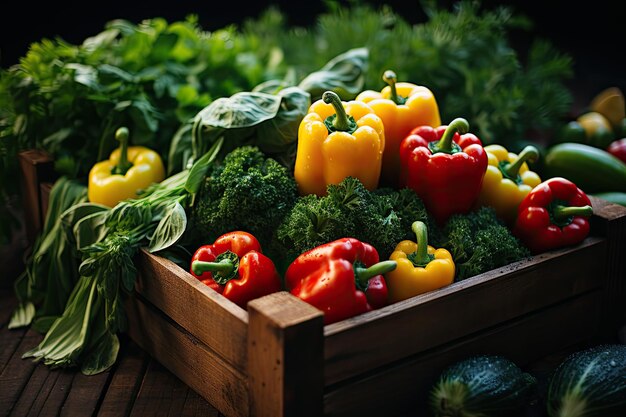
(256, 275)
(618, 149)
(325, 278)
(538, 227)
(447, 183)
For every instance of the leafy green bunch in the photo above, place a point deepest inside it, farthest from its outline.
(463, 54)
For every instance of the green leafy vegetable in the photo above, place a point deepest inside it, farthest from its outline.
(249, 192)
(479, 242)
(382, 219)
(85, 334)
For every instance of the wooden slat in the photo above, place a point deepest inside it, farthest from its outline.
(611, 219)
(196, 406)
(44, 195)
(125, 382)
(9, 339)
(397, 388)
(17, 372)
(402, 329)
(210, 317)
(85, 394)
(161, 393)
(285, 351)
(188, 358)
(36, 167)
(45, 392)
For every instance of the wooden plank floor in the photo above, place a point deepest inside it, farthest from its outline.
(136, 386)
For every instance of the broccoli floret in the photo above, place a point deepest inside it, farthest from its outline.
(479, 242)
(381, 219)
(246, 192)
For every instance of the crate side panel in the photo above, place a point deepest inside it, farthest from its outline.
(210, 317)
(403, 387)
(415, 325)
(186, 357)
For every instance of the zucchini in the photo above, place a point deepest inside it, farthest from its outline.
(613, 197)
(482, 386)
(590, 383)
(593, 170)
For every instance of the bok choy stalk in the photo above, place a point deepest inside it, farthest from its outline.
(107, 239)
(52, 270)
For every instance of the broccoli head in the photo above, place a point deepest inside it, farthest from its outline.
(479, 242)
(246, 192)
(381, 219)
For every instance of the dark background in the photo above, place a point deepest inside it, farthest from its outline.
(592, 33)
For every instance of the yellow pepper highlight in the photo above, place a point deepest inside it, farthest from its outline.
(402, 107)
(420, 267)
(337, 140)
(507, 180)
(138, 167)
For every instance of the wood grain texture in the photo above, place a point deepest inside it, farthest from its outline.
(187, 357)
(17, 372)
(402, 388)
(285, 357)
(611, 220)
(85, 394)
(36, 166)
(216, 321)
(44, 194)
(125, 382)
(402, 329)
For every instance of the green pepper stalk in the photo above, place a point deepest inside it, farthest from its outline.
(390, 78)
(511, 170)
(340, 121)
(446, 144)
(420, 257)
(121, 135)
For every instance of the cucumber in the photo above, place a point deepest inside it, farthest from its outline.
(593, 170)
(590, 383)
(613, 197)
(483, 385)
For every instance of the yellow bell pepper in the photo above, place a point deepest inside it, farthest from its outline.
(336, 142)
(420, 267)
(507, 180)
(127, 171)
(402, 107)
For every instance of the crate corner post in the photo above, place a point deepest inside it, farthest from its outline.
(285, 357)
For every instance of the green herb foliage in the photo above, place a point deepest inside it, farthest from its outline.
(463, 55)
(85, 334)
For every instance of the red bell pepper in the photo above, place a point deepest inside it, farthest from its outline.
(618, 149)
(342, 278)
(235, 267)
(553, 215)
(443, 167)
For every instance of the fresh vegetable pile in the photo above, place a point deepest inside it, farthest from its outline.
(283, 176)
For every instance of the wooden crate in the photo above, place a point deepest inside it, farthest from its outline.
(278, 359)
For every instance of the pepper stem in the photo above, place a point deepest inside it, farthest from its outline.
(446, 144)
(224, 268)
(529, 153)
(121, 135)
(341, 121)
(563, 212)
(364, 274)
(421, 257)
(390, 78)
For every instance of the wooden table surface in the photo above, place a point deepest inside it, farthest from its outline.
(136, 386)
